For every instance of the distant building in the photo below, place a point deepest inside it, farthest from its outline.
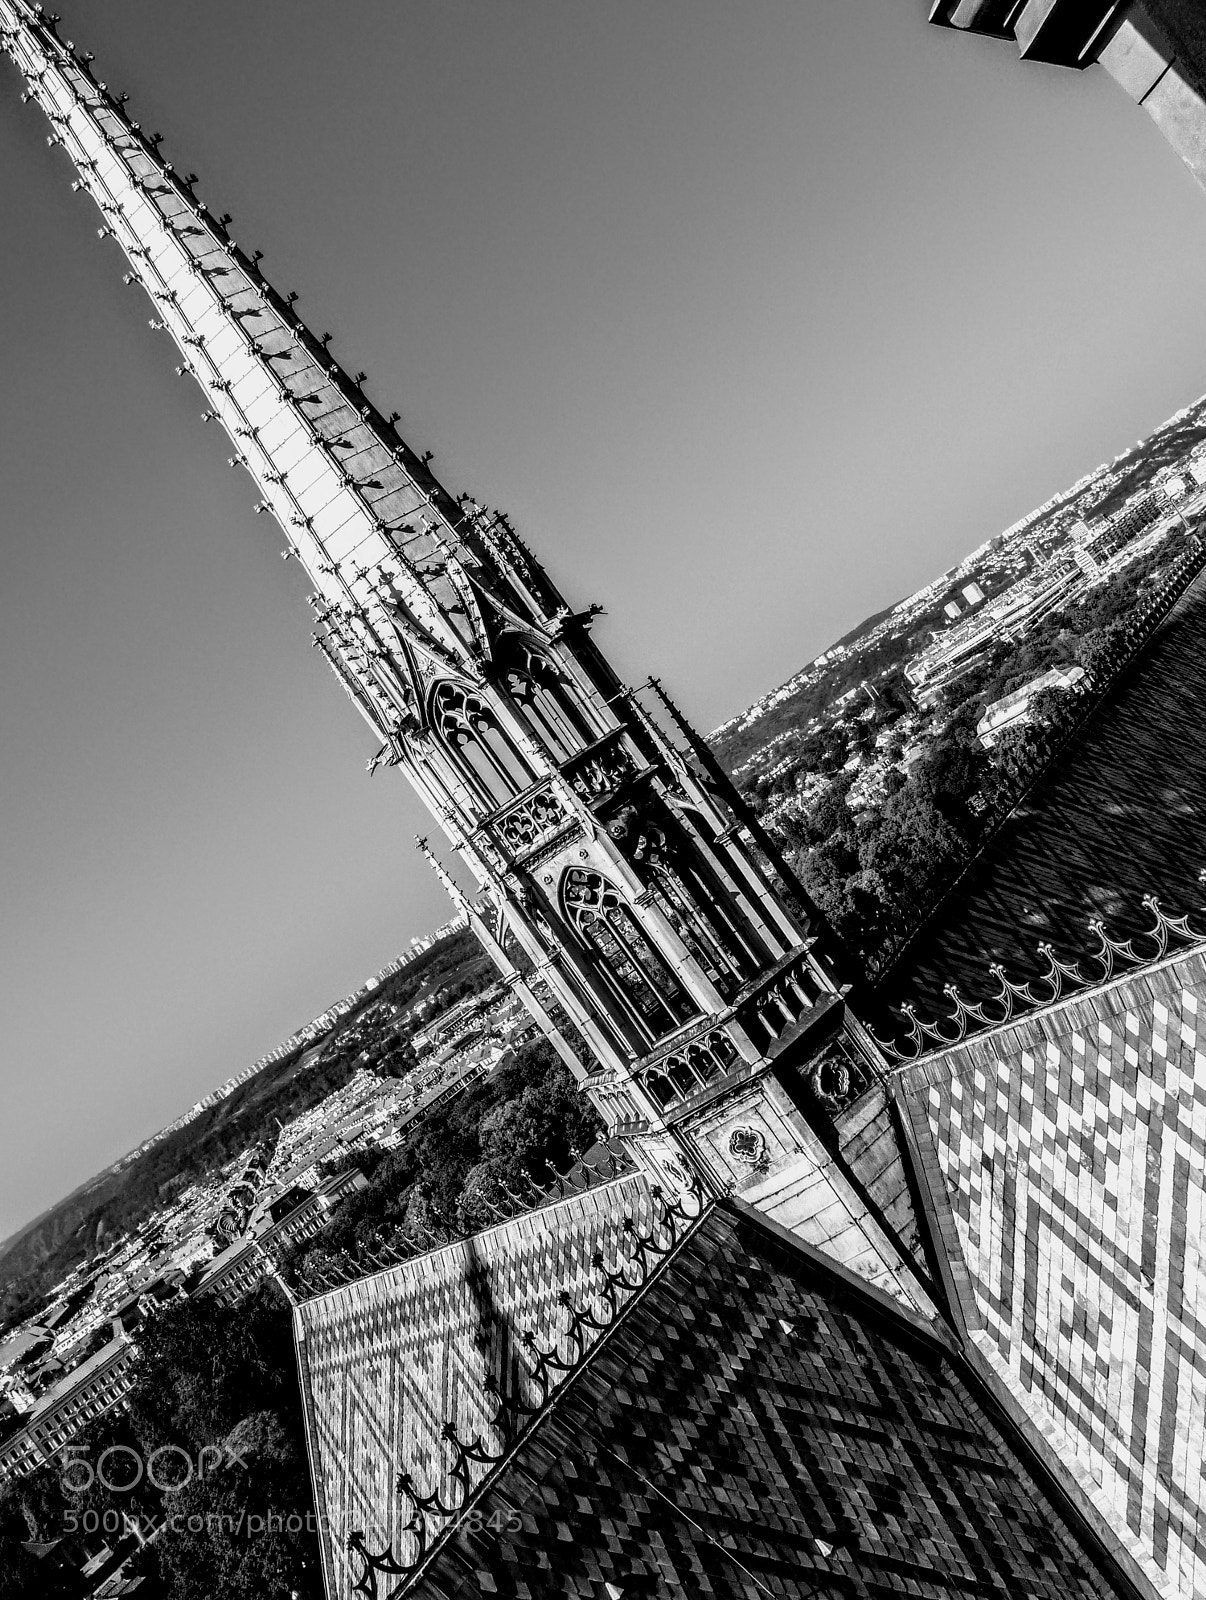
(1013, 710)
(25, 1348)
(147, 1298)
(88, 1391)
(1134, 518)
(287, 1220)
(1010, 615)
(469, 1072)
(19, 1398)
(1016, 610)
(1086, 561)
(973, 594)
(66, 1309)
(952, 610)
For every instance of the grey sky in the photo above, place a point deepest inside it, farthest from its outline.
(754, 317)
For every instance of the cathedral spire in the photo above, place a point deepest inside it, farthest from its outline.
(622, 889)
(400, 568)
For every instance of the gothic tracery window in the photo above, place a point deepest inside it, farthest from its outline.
(729, 949)
(551, 701)
(482, 751)
(635, 972)
(691, 899)
(660, 1087)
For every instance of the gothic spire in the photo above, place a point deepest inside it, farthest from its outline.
(620, 896)
(404, 575)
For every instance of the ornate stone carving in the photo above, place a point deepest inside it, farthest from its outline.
(598, 772)
(687, 1070)
(642, 839)
(530, 823)
(779, 1004)
(747, 1147)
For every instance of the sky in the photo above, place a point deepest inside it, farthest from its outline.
(754, 318)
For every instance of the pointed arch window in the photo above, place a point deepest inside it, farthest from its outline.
(691, 898)
(549, 698)
(482, 751)
(634, 971)
(699, 912)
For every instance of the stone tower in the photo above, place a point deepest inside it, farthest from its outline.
(623, 890)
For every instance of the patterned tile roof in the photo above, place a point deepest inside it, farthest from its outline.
(390, 1361)
(757, 1424)
(1067, 1158)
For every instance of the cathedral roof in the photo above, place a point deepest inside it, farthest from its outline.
(1064, 1154)
(759, 1424)
(751, 1419)
(1121, 813)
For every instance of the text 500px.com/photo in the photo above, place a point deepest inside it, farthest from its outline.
(247, 1524)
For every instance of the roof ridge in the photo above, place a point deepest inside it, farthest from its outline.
(620, 1168)
(670, 1229)
(1118, 960)
(443, 1366)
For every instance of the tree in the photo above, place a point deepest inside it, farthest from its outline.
(247, 1529)
(204, 1366)
(226, 1378)
(1097, 649)
(453, 1170)
(947, 774)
